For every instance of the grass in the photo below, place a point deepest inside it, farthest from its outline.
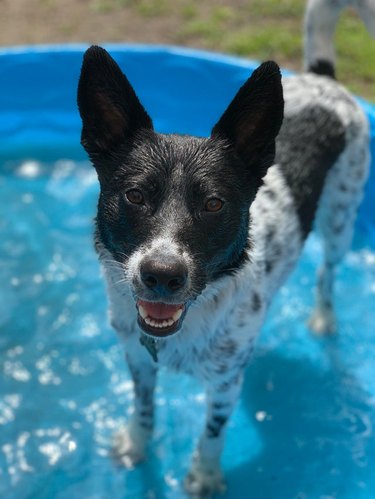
(266, 42)
(277, 8)
(272, 29)
(355, 56)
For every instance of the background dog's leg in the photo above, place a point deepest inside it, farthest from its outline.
(205, 475)
(130, 441)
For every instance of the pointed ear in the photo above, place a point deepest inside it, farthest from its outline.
(253, 119)
(110, 110)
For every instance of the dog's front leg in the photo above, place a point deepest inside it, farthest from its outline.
(205, 476)
(131, 440)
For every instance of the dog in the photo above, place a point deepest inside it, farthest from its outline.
(195, 235)
(319, 26)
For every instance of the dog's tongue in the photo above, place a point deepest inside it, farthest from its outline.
(159, 310)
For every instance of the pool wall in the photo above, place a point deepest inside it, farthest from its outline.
(38, 111)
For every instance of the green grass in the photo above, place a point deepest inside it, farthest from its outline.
(152, 8)
(265, 42)
(355, 56)
(189, 11)
(272, 29)
(276, 8)
(145, 8)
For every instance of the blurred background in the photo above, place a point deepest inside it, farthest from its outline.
(257, 29)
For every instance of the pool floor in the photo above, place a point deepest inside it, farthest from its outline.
(303, 428)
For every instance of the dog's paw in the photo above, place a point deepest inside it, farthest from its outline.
(128, 446)
(323, 321)
(203, 482)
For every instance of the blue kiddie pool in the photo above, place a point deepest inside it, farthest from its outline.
(304, 427)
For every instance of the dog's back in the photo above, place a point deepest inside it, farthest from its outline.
(322, 159)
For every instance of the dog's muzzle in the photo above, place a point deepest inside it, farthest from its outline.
(162, 308)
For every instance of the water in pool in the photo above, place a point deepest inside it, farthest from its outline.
(303, 427)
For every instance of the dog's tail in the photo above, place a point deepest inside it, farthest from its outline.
(319, 26)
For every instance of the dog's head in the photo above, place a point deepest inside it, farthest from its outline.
(174, 210)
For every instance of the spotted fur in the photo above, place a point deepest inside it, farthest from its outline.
(319, 166)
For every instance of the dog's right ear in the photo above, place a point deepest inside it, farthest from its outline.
(252, 120)
(110, 110)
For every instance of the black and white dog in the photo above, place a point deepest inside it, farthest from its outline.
(195, 235)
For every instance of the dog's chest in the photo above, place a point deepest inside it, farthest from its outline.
(218, 332)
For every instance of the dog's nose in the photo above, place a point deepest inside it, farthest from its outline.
(163, 277)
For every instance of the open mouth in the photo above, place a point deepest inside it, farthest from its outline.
(160, 319)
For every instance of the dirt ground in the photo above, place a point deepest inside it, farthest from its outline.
(95, 21)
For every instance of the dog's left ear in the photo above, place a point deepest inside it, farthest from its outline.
(252, 120)
(110, 109)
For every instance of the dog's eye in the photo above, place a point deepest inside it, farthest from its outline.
(214, 204)
(134, 196)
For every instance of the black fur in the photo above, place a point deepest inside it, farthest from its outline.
(323, 68)
(253, 119)
(306, 162)
(110, 110)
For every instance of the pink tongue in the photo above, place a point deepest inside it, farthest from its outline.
(159, 310)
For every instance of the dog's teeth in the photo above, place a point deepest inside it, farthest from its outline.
(149, 321)
(142, 312)
(159, 323)
(177, 315)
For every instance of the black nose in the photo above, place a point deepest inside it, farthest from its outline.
(165, 277)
